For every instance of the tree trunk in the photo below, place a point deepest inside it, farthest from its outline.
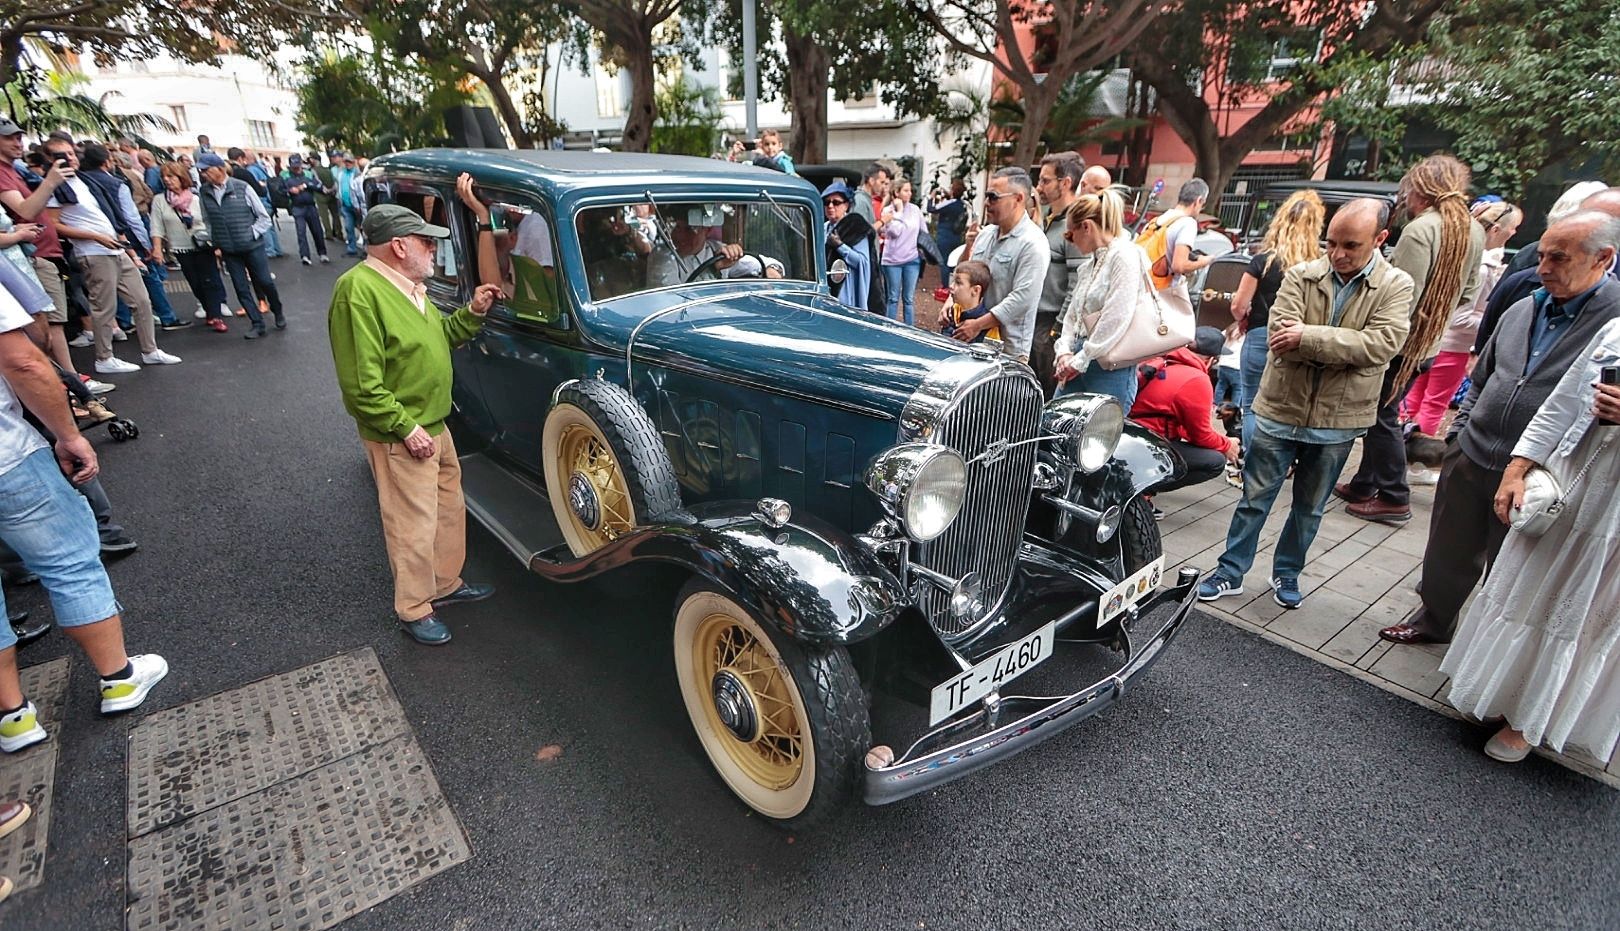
(643, 109)
(1038, 102)
(11, 49)
(809, 67)
(508, 111)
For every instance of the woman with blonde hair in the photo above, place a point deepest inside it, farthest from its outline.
(1441, 248)
(1294, 235)
(1431, 394)
(1108, 287)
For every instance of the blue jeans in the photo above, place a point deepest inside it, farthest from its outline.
(245, 265)
(155, 274)
(272, 236)
(901, 280)
(50, 526)
(1265, 468)
(351, 221)
(1252, 362)
(1228, 387)
(1119, 384)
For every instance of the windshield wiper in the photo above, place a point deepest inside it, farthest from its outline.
(781, 214)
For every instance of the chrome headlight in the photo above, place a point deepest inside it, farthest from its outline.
(920, 485)
(1085, 427)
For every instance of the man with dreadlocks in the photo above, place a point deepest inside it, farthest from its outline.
(1441, 249)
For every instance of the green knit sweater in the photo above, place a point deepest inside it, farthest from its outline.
(393, 362)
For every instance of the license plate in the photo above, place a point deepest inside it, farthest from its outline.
(1008, 663)
(1118, 599)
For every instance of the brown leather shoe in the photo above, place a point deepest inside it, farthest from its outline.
(1343, 493)
(1407, 635)
(13, 815)
(1381, 511)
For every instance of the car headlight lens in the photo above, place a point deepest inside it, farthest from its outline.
(921, 485)
(1087, 428)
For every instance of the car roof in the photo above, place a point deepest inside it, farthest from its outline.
(1345, 190)
(558, 172)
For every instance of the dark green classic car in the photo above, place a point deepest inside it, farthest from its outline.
(904, 564)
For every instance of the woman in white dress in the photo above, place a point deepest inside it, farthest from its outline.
(1107, 289)
(1538, 647)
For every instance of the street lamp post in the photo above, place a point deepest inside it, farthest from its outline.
(750, 71)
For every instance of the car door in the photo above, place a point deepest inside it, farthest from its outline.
(529, 345)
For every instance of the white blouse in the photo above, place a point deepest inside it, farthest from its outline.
(1112, 282)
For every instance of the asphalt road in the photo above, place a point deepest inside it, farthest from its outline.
(1242, 787)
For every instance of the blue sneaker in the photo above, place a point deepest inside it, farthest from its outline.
(428, 630)
(1286, 592)
(1218, 586)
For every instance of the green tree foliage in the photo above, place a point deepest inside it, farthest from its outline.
(116, 28)
(504, 44)
(353, 101)
(46, 100)
(837, 48)
(1282, 58)
(1525, 83)
(689, 120)
(1073, 122)
(634, 35)
(1038, 46)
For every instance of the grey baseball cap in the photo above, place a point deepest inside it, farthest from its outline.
(391, 221)
(8, 127)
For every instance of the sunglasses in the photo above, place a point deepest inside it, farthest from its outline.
(837, 202)
(992, 196)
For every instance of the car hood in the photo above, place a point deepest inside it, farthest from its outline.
(798, 343)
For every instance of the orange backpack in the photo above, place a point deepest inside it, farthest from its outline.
(1155, 241)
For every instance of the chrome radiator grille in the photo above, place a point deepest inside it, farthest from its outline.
(986, 536)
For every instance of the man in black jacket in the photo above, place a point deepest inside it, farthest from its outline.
(302, 187)
(1539, 339)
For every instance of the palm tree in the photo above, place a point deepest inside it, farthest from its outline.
(42, 101)
(1073, 122)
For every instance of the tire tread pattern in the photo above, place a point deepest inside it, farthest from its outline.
(648, 474)
(1139, 540)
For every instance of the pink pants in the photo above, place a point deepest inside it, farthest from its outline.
(1431, 393)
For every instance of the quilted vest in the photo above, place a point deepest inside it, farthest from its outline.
(230, 220)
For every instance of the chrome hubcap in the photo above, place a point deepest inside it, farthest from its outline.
(582, 499)
(735, 706)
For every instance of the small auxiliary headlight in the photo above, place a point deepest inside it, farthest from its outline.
(1087, 428)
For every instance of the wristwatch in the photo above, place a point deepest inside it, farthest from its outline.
(486, 227)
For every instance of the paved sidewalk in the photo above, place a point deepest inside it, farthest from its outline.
(1361, 577)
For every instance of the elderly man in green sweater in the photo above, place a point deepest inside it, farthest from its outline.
(391, 346)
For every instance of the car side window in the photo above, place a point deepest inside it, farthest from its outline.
(433, 209)
(523, 263)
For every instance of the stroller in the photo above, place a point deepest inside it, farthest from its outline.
(89, 411)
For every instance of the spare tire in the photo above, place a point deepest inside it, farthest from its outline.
(605, 465)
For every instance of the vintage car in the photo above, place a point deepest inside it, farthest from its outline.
(904, 564)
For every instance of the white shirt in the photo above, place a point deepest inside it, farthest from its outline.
(18, 440)
(86, 215)
(534, 240)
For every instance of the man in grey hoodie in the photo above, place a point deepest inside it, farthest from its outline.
(1539, 339)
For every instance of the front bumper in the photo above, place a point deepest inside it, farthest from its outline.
(965, 745)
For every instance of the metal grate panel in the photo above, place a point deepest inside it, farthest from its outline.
(221, 748)
(304, 854)
(986, 536)
(29, 775)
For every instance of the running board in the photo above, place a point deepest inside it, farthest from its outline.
(512, 508)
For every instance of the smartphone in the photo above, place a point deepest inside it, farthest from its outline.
(1609, 375)
(62, 160)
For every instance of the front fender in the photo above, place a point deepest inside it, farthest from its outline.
(1141, 460)
(814, 582)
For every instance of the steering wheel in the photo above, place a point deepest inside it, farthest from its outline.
(708, 267)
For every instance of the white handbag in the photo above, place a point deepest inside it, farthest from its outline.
(1543, 500)
(1156, 328)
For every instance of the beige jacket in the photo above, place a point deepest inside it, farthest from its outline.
(1333, 379)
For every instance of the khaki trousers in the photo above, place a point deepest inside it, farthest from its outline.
(424, 522)
(51, 280)
(108, 278)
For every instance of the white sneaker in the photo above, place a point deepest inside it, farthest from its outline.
(112, 365)
(124, 694)
(159, 357)
(200, 314)
(82, 340)
(21, 729)
(98, 387)
(1422, 476)
(118, 335)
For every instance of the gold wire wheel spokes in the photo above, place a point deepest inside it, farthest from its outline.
(598, 497)
(753, 705)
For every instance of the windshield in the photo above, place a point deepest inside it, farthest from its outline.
(636, 246)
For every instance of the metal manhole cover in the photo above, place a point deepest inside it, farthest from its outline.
(212, 751)
(304, 854)
(29, 775)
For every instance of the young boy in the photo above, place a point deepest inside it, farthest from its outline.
(969, 281)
